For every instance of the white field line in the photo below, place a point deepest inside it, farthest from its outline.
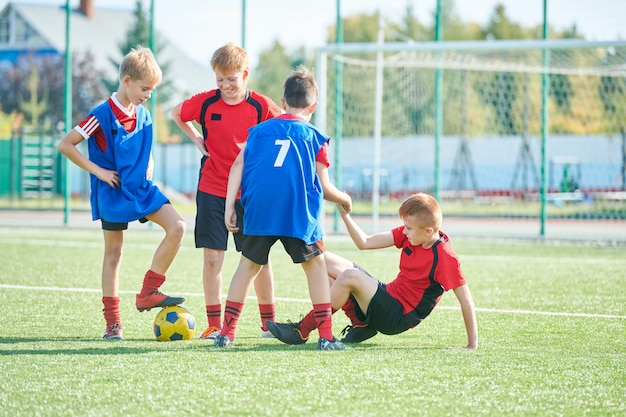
(301, 300)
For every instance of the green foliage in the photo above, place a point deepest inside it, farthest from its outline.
(87, 87)
(409, 28)
(360, 28)
(139, 35)
(551, 319)
(8, 123)
(500, 26)
(611, 91)
(501, 102)
(273, 68)
(36, 88)
(454, 29)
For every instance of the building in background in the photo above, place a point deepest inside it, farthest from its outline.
(40, 29)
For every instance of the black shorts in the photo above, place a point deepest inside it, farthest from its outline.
(257, 248)
(210, 231)
(114, 226)
(385, 313)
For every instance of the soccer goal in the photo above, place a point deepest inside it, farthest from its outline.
(521, 123)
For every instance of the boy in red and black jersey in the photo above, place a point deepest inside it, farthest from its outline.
(224, 115)
(428, 268)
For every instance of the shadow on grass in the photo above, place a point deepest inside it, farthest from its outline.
(88, 346)
(248, 344)
(39, 346)
(42, 346)
(107, 348)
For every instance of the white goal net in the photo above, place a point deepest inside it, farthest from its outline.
(514, 115)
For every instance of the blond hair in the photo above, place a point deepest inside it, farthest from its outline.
(424, 208)
(140, 64)
(230, 58)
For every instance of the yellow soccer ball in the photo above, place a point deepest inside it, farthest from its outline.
(174, 323)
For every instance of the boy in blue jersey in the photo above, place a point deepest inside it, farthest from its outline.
(283, 175)
(120, 144)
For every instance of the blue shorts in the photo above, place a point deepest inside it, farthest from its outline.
(210, 231)
(385, 313)
(257, 248)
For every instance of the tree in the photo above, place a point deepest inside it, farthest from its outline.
(139, 34)
(454, 29)
(136, 35)
(500, 91)
(410, 28)
(34, 84)
(33, 106)
(499, 101)
(612, 91)
(87, 87)
(270, 74)
(357, 28)
(500, 26)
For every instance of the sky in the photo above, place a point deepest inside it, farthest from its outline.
(199, 27)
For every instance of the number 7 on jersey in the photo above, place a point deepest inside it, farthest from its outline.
(282, 152)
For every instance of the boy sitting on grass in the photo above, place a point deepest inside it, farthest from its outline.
(428, 268)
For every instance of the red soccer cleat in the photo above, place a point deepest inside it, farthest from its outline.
(156, 299)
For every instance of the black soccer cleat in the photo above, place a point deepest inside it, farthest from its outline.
(286, 332)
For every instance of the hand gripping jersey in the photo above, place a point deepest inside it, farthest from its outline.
(280, 190)
(128, 153)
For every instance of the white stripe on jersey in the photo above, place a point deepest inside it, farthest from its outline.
(90, 126)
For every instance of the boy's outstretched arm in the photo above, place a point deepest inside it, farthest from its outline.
(464, 296)
(331, 192)
(360, 238)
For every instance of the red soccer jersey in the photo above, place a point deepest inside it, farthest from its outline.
(418, 266)
(225, 132)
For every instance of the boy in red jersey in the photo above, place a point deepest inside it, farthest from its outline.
(428, 268)
(224, 114)
(120, 133)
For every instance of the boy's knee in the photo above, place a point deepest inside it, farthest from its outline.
(113, 254)
(351, 277)
(182, 227)
(178, 229)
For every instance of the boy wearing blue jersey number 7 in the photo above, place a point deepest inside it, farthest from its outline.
(283, 175)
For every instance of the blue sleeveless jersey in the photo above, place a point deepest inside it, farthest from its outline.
(280, 191)
(128, 153)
